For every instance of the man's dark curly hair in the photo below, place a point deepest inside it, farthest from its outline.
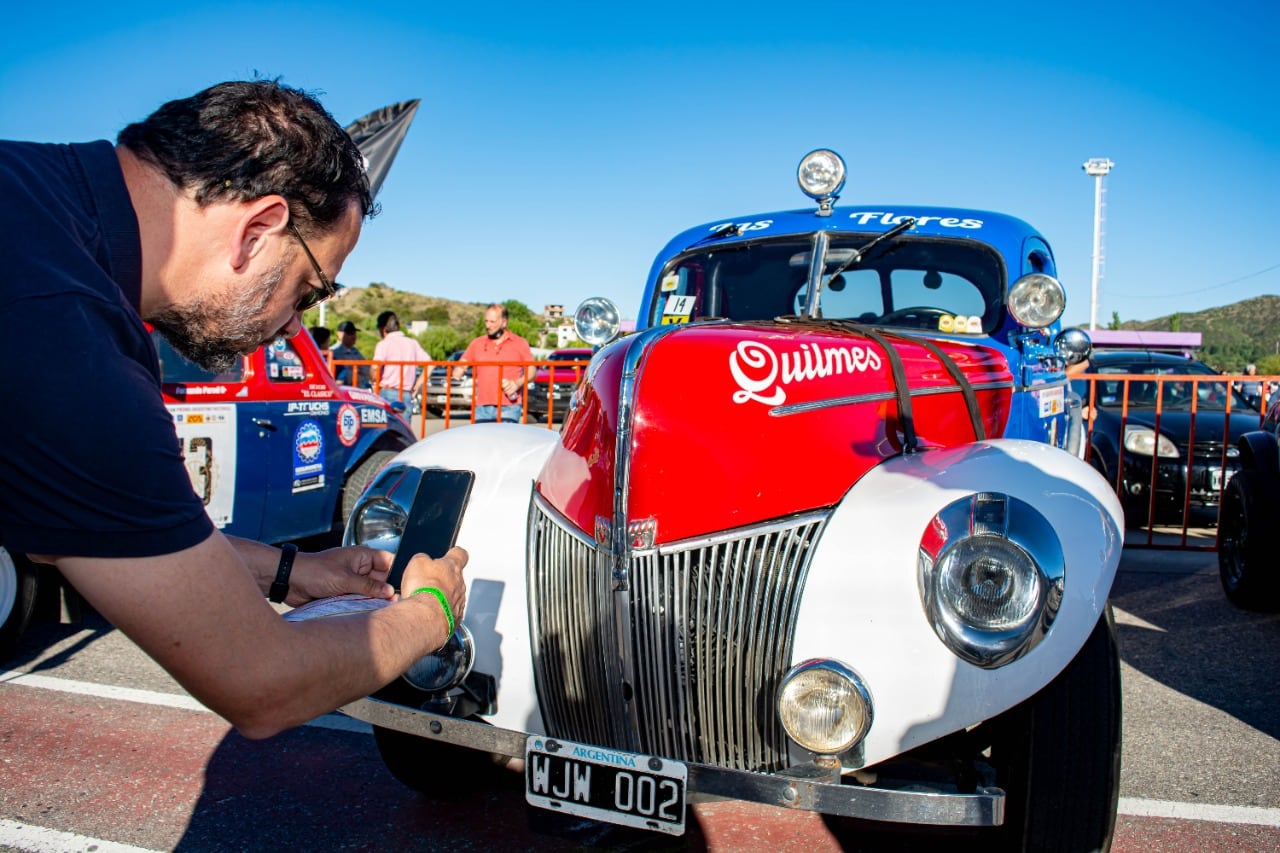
(240, 141)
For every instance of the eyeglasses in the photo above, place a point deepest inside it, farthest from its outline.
(315, 295)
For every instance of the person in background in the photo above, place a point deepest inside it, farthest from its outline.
(498, 389)
(397, 382)
(321, 336)
(346, 351)
(219, 220)
(1252, 389)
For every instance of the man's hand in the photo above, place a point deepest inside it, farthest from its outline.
(444, 574)
(339, 571)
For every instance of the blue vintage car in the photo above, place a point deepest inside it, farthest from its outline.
(858, 567)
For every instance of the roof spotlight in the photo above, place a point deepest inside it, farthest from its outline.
(821, 176)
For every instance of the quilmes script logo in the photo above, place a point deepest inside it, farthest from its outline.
(761, 373)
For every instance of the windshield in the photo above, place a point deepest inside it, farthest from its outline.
(940, 285)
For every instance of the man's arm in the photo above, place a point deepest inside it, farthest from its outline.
(201, 616)
(337, 571)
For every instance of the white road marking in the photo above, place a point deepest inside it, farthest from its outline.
(39, 839)
(1255, 815)
(338, 722)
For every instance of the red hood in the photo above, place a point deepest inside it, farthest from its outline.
(721, 435)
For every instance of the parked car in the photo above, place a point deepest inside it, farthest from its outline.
(275, 448)
(1247, 564)
(863, 573)
(552, 386)
(444, 391)
(1130, 433)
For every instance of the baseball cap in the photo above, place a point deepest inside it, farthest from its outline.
(347, 326)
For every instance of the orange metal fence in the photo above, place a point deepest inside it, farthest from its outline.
(1166, 443)
(456, 405)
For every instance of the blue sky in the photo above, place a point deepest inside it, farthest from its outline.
(559, 146)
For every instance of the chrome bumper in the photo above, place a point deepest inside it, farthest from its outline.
(805, 787)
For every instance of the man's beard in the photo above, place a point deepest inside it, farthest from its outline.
(215, 332)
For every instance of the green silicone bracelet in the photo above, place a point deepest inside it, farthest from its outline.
(444, 603)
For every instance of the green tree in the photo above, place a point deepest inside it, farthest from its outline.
(442, 340)
(1115, 321)
(1175, 323)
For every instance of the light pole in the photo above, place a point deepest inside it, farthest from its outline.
(1097, 168)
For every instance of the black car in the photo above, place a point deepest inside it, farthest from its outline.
(1247, 563)
(1137, 422)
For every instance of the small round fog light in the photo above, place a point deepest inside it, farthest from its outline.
(824, 706)
(597, 321)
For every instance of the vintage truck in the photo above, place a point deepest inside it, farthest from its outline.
(816, 535)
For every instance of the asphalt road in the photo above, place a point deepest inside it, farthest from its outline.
(99, 748)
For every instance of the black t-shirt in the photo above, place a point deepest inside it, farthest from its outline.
(90, 463)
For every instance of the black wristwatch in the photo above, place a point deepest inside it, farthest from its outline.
(280, 586)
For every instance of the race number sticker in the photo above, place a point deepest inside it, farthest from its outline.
(207, 437)
(677, 309)
(1052, 401)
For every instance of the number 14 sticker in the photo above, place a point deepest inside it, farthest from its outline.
(678, 309)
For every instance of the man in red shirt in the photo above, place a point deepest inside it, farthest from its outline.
(498, 388)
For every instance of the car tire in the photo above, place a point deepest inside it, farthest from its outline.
(18, 586)
(1246, 567)
(437, 768)
(360, 477)
(1057, 755)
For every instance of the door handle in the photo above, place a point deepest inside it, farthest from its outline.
(263, 423)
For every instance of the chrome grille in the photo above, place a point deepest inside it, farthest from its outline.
(677, 654)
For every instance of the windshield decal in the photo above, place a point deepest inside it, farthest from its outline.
(760, 372)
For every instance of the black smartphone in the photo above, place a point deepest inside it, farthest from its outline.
(434, 517)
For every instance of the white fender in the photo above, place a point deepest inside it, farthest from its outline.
(506, 459)
(862, 602)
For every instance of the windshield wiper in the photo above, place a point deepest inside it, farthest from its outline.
(727, 230)
(860, 253)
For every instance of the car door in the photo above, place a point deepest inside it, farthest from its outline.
(301, 456)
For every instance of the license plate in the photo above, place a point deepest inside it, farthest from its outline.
(605, 785)
(441, 398)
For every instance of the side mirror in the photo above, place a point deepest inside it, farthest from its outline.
(1073, 345)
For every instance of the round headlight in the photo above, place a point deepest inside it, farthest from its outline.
(992, 571)
(821, 174)
(990, 583)
(447, 667)
(824, 706)
(1037, 300)
(597, 321)
(379, 524)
